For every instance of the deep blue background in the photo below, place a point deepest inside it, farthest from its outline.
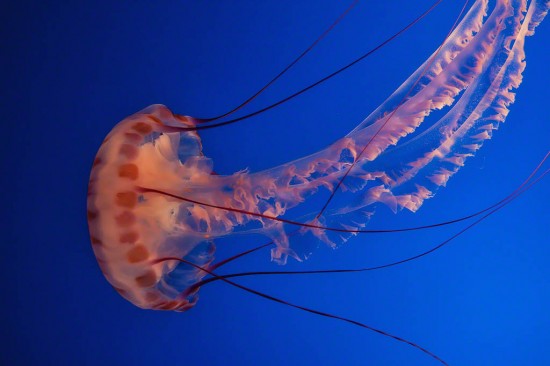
(71, 70)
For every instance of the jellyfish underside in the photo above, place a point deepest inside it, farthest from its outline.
(154, 194)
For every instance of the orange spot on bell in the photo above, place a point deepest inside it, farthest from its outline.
(137, 254)
(148, 279)
(95, 241)
(125, 219)
(92, 215)
(126, 199)
(129, 171)
(142, 128)
(156, 120)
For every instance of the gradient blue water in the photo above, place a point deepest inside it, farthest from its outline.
(71, 71)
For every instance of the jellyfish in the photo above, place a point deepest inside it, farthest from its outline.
(153, 193)
(154, 196)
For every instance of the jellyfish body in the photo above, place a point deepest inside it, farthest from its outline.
(153, 193)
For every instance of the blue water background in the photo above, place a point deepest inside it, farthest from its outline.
(71, 70)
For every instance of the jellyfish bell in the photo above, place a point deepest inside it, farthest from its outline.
(153, 194)
(128, 227)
